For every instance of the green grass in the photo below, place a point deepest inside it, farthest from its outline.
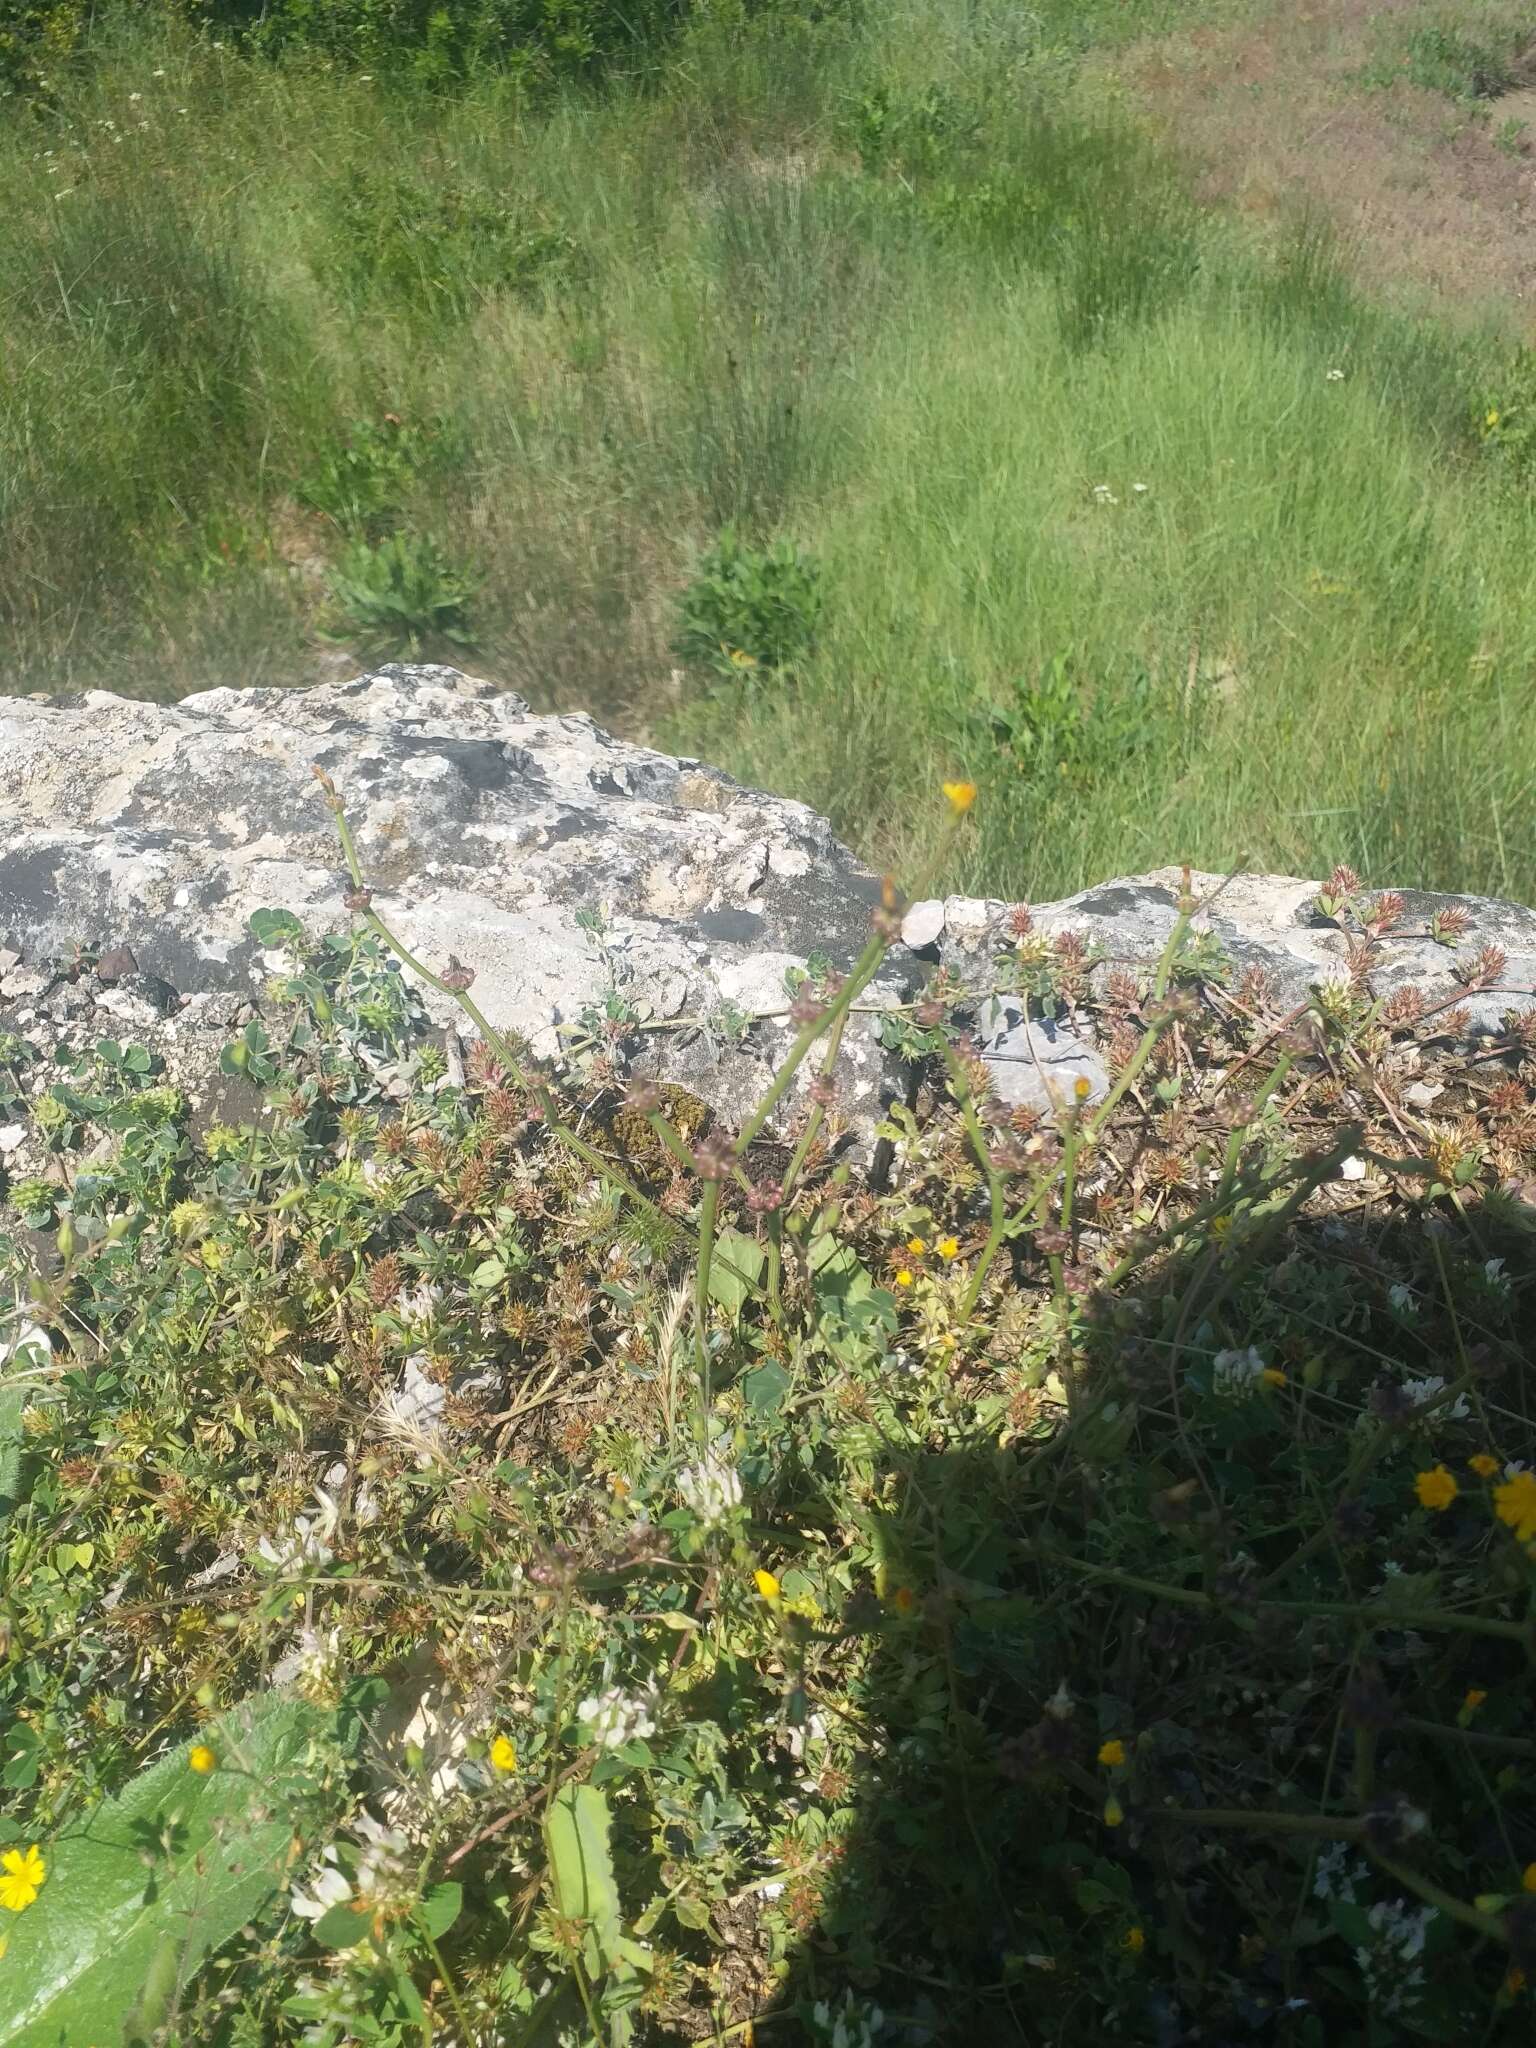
(903, 293)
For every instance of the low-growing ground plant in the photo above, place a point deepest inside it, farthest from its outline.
(750, 608)
(401, 596)
(517, 1561)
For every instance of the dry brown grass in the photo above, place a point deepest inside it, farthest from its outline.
(1275, 115)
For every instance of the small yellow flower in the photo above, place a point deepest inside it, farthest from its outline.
(904, 1600)
(1515, 1504)
(916, 1246)
(1475, 1697)
(904, 1277)
(1484, 1464)
(767, 1585)
(504, 1754)
(22, 1879)
(1112, 1752)
(961, 796)
(1272, 1376)
(1491, 417)
(202, 1759)
(1134, 1940)
(948, 1247)
(1082, 1087)
(1528, 1881)
(1114, 1812)
(1436, 1488)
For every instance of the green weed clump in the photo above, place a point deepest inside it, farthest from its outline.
(493, 1554)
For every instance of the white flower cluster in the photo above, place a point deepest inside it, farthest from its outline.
(1334, 1877)
(385, 1881)
(1421, 1392)
(615, 1717)
(1236, 1373)
(1391, 1967)
(710, 1491)
(849, 2025)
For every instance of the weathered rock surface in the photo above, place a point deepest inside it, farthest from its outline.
(148, 834)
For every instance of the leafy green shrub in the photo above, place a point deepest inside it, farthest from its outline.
(37, 36)
(401, 596)
(750, 608)
(1507, 421)
(437, 249)
(433, 43)
(1064, 722)
(1469, 61)
(362, 483)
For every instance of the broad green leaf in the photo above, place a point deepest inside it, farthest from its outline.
(342, 1927)
(13, 1400)
(440, 1908)
(764, 1388)
(141, 1889)
(275, 927)
(581, 1870)
(735, 1269)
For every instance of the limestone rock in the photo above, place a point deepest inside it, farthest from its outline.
(563, 865)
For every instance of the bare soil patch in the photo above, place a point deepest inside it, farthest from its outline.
(1436, 195)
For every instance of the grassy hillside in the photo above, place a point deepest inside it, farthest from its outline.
(1174, 542)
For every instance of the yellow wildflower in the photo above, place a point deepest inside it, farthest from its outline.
(1491, 417)
(916, 1247)
(948, 1247)
(961, 796)
(503, 1754)
(202, 1759)
(22, 1879)
(767, 1585)
(1515, 1503)
(904, 1277)
(1082, 1087)
(1476, 1695)
(904, 1600)
(1484, 1464)
(1114, 1812)
(1112, 1752)
(1436, 1488)
(1272, 1376)
(1134, 1939)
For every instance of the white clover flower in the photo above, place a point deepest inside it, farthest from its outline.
(849, 2025)
(1332, 1878)
(1335, 376)
(1236, 1373)
(710, 1491)
(1103, 495)
(328, 1887)
(614, 1717)
(301, 1548)
(384, 1873)
(1421, 1392)
(1140, 488)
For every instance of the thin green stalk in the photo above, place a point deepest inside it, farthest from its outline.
(709, 1209)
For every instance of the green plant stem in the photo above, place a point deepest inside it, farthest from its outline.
(449, 1987)
(1349, 1610)
(709, 1210)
